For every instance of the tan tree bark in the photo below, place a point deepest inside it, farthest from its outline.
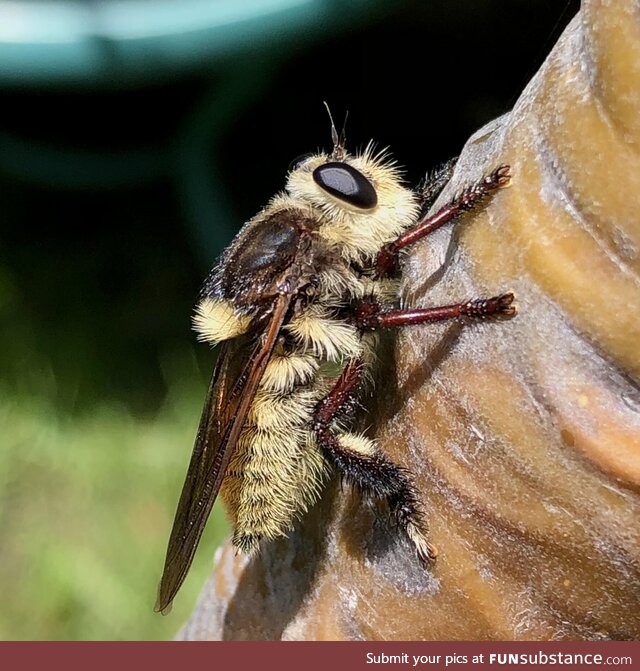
(524, 435)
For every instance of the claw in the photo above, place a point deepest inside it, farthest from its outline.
(505, 305)
(432, 553)
(426, 552)
(502, 175)
(485, 307)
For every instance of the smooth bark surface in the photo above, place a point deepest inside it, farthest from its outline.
(524, 435)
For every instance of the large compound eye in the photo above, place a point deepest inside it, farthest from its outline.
(298, 161)
(346, 183)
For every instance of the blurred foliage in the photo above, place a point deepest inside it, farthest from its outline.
(87, 504)
(99, 402)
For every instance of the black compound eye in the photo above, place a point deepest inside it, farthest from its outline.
(298, 161)
(346, 183)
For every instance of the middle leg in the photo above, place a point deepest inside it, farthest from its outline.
(371, 315)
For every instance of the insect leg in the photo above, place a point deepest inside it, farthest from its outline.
(358, 461)
(387, 259)
(370, 315)
(433, 184)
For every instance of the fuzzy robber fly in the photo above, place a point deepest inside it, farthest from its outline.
(294, 304)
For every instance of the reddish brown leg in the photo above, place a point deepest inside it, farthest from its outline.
(372, 474)
(369, 315)
(387, 259)
(339, 397)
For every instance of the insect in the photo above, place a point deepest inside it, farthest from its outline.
(294, 304)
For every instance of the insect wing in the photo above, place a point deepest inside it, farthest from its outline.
(232, 389)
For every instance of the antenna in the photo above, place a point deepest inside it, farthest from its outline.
(338, 140)
(343, 132)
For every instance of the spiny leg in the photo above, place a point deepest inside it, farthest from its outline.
(433, 184)
(359, 463)
(371, 315)
(387, 259)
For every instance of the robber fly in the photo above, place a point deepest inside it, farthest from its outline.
(294, 304)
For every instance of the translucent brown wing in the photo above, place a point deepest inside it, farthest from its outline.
(232, 389)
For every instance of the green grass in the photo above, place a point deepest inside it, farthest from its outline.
(86, 505)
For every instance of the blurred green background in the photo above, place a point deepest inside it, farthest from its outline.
(135, 138)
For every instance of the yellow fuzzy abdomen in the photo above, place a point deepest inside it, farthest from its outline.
(277, 471)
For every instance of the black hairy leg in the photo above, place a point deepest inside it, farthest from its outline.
(370, 315)
(371, 473)
(433, 184)
(387, 259)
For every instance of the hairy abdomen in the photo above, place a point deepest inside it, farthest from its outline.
(276, 472)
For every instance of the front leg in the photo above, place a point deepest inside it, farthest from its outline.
(358, 461)
(387, 259)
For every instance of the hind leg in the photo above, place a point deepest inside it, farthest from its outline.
(358, 461)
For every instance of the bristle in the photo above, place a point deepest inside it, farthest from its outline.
(288, 370)
(218, 320)
(276, 411)
(247, 543)
(336, 282)
(326, 337)
(358, 443)
(370, 342)
(383, 290)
